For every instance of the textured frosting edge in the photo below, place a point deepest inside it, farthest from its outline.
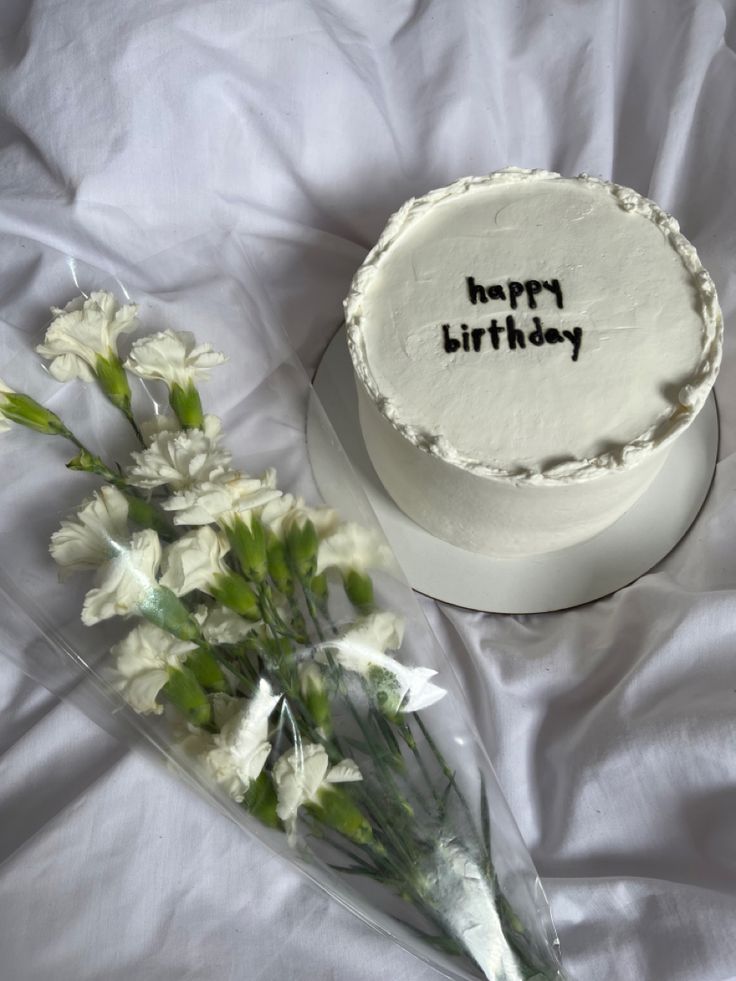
(663, 431)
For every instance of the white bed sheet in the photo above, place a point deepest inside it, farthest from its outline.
(128, 127)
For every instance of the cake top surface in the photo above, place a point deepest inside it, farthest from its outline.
(536, 327)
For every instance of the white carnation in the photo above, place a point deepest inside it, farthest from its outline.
(194, 560)
(181, 459)
(382, 631)
(87, 328)
(158, 424)
(141, 668)
(353, 547)
(173, 357)
(235, 756)
(301, 774)
(394, 686)
(287, 511)
(126, 581)
(222, 626)
(97, 532)
(222, 500)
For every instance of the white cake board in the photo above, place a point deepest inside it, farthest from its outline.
(538, 584)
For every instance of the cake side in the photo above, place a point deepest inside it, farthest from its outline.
(492, 516)
(442, 371)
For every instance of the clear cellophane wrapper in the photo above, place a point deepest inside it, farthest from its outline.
(301, 690)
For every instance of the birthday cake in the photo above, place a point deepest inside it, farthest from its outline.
(527, 349)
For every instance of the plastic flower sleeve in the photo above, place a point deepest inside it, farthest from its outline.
(176, 571)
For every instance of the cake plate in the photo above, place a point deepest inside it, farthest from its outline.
(531, 584)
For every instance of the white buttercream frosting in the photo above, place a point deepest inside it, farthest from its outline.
(649, 339)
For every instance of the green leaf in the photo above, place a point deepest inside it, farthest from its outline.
(359, 744)
(446, 795)
(389, 736)
(485, 820)
(360, 870)
(279, 648)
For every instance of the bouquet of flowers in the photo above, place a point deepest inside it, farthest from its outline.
(266, 646)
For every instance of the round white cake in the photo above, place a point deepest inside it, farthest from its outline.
(527, 349)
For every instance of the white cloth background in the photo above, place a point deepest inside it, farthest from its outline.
(127, 127)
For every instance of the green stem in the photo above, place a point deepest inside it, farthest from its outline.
(393, 827)
(408, 738)
(449, 774)
(512, 933)
(131, 419)
(142, 511)
(377, 856)
(273, 618)
(384, 822)
(402, 803)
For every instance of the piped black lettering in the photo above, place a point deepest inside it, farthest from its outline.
(495, 331)
(475, 292)
(532, 287)
(536, 337)
(575, 337)
(452, 344)
(553, 285)
(514, 336)
(515, 290)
